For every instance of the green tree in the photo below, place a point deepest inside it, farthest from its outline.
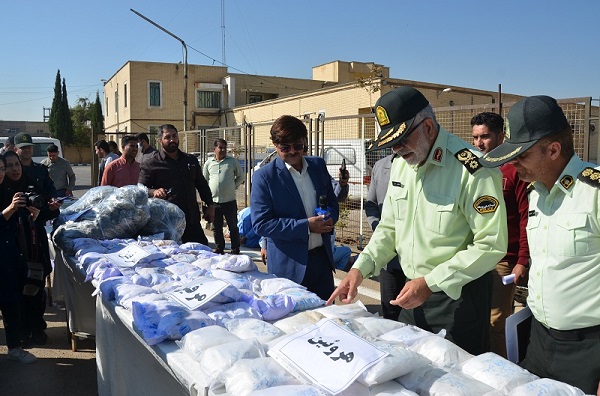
(81, 115)
(56, 107)
(65, 133)
(97, 118)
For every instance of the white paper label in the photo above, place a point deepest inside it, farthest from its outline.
(197, 293)
(127, 257)
(326, 354)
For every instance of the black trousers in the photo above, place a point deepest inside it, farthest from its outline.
(466, 320)
(228, 210)
(32, 313)
(575, 362)
(391, 282)
(194, 233)
(318, 277)
(10, 317)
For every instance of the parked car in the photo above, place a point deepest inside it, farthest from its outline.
(40, 144)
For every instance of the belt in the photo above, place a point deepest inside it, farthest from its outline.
(574, 335)
(316, 250)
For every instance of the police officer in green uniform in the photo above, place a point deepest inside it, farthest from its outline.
(563, 230)
(444, 215)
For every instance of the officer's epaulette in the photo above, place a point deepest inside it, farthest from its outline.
(590, 176)
(469, 160)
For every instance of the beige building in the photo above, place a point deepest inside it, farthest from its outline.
(141, 96)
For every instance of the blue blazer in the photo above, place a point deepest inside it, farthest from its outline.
(278, 214)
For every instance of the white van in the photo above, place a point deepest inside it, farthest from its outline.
(359, 163)
(40, 144)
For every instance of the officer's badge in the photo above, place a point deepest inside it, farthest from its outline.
(590, 176)
(397, 184)
(468, 159)
(566, 181)
(437, 155)
(486, 204)
(382, 116)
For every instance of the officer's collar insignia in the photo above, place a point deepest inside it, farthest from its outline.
(589, 176)
(486, 204)
(437, 155)
(397, 184)
(468, 159)
(382, 116)
(566, 181)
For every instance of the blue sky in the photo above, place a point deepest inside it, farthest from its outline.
(530, 47)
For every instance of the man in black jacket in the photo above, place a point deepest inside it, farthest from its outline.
(175, 176)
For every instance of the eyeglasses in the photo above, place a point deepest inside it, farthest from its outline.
(285, 148)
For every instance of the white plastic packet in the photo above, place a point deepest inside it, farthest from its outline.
(216, 360)
(197, 341)
(298, 322)
(400, 361)
(546, 387)
(441, 352)
(497, 372)
(436, 381)
(253, 328)
(248, 375)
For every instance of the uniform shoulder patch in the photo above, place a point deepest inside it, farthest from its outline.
(590, 176)
(486, 204)
(468, 159)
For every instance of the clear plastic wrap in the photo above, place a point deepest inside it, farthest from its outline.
(108, 212)
(164, 217)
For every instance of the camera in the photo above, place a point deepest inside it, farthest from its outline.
(33, 199)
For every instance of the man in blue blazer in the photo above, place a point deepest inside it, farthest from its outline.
(285, 194)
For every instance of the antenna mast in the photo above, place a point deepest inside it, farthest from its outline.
(223, 32)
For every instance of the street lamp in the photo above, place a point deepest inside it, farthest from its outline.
(443, 90)
(185, 63)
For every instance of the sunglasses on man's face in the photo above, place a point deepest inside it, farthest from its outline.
(285, 148)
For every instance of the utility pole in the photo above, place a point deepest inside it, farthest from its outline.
(185, 63)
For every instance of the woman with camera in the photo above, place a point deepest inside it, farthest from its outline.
(12, 272)
(32, 243)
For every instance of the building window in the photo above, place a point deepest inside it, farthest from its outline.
(117, 99)
(125, 95)
(255, 98)
(154, 129)
(208, 99)
(154, 94)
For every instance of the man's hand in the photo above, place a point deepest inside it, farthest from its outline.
(348, 288)
(160, 193)
(343, 177)
(263, 255)
(317, 225)
(413, 294)
(54, 204)
(521, 275)
(210, 213)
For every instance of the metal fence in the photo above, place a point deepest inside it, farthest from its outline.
(329, 137)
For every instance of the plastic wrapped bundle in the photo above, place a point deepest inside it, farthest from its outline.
(103, 213)
(123, 213)
(165, 217)
(89, 200)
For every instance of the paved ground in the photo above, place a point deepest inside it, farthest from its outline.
(59, 371)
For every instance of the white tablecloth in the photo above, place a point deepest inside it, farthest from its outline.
(126, 365)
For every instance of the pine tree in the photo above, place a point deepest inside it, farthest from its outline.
(56, 107)
(67, 134)
(97, 118)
